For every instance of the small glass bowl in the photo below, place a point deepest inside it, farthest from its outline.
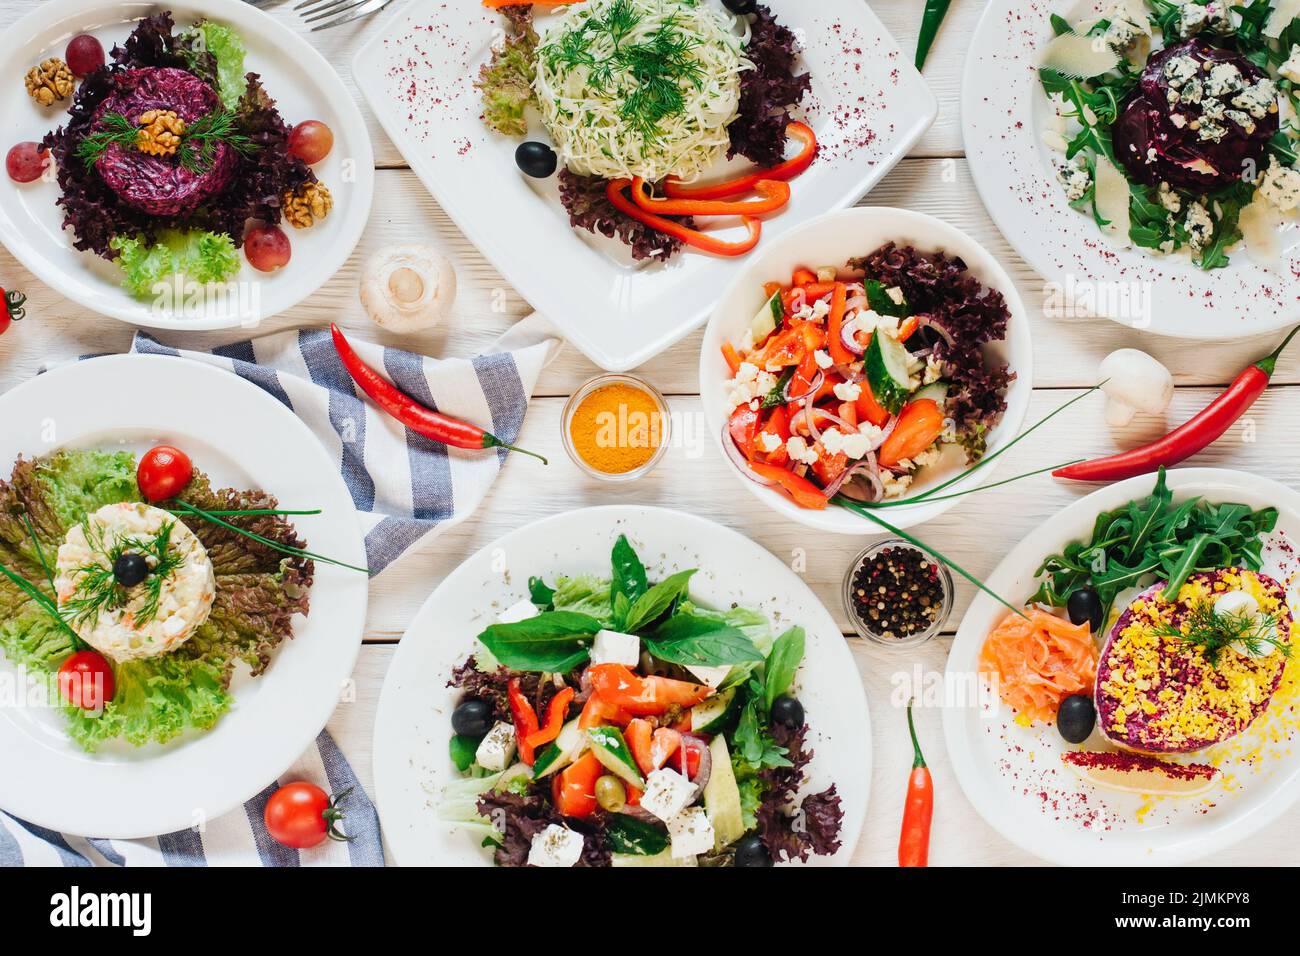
(920, 637)
(600, 381)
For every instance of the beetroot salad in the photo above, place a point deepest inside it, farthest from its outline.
(853, 382)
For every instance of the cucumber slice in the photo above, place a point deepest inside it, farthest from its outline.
(609, 747)
(768, 319)
(722, 796)
(936, 391)
(712, 715)
(881, 302)
(561, 751)
(886, 366)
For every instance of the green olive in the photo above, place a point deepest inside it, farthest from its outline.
(610, 793)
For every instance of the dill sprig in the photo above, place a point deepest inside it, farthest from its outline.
(198, 146)
(116, 130)
(98, 589)
(1212, 630)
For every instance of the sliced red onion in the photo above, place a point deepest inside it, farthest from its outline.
(856, 303)
(706, 763)
(815, 384)
(808, 417)
(849, 335)
(866, 470)
(738, 458)
(853, 373)
(642, 814)
(929, 322)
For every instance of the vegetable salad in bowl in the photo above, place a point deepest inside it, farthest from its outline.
(614, 721)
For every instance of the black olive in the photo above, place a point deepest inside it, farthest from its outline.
(787, 711)
(1076, 717)
(740, 6)
(130, 569)
(1084, 607)
(750, 851)
(473, 718)
(536, 159)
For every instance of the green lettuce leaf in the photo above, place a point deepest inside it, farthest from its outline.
(585, 594)
(506, 81)
(202, 257)
(228, 48)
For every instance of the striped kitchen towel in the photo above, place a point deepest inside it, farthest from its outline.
(238, 838)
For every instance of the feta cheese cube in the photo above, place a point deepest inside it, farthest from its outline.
(497, 749)
(711, 676)
(555, 846)
(691, 833)
(848, 391)
(518, 612)
(615, 647)
(769, 441)
(823, 358)
(797, 447)
(667, 793)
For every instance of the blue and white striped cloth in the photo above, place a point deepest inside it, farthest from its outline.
(406, 488)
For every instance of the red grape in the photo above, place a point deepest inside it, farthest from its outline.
(267, 248)
(26, 162)
(311, 141)
(85, 54)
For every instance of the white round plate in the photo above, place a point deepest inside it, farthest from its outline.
(413, 725)
(831, 241)
(132, 402)
(1003, 115)
(304, 87)
(1014, 776)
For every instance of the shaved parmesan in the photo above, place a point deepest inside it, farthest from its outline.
(1080, 57)
(1284, 11)
(1259, 228)
(1112, 199)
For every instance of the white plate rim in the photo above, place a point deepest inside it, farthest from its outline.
(127, 807)
(393, 771)
(1023, 558)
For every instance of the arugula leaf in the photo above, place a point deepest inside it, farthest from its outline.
(649, 606)
(782, 663)
(552, 641)
(540, 594)
(693, 641)
(629, 580)
(627, 834)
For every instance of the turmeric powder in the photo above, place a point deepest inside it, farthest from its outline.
(617, 428)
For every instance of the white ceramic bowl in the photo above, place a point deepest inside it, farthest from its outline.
(833, 240)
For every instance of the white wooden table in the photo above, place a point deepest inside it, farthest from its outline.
(935, 179)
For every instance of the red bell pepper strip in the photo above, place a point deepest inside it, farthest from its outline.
(776, 195)
(835, 325)
(869, 409)
(421, 420)
(738, 187)
(731, 357)
(669, 227)
(688, 756)
(524, 718)
(804, 493)
(918, 811)
(556, 711)
(574, 789)
(1197, 433)
(643, 696)
(919, 424)
(803, 277)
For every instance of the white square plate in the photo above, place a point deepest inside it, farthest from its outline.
(868, 106)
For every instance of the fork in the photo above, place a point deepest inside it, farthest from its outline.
(337, 12)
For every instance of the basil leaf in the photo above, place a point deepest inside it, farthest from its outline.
(551, 641)
(656, 601)
(782, 663)
(701, 642)
(463, 751)
(541, 595)
(629, 580)
(639, 837)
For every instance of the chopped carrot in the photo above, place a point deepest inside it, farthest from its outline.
(919, 424)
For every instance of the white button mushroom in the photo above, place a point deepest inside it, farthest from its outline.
(408, 288)
(1134, 382)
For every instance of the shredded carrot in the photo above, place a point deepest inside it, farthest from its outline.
(1037, 663)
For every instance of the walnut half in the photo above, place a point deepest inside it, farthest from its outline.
(160, 133)
(306, 205)
(50, 82)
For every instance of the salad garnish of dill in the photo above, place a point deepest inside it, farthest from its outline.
(198, 144)
(1212, 630)
(98, 590)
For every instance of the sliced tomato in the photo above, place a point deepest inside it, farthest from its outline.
(828, 467)
(574, 788)
(643, 696)
(784, 348)
(919, 424)
(870, 410)
(691, 752)
(639, 735)
(743, 426)
(665, 743)
(633, 798)
(597, 712)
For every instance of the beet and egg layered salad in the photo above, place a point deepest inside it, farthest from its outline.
(1176, 122)
(860, 381)
(642, 98)
(615, 722)
(170, 151)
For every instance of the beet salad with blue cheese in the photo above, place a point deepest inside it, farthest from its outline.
(615, 722)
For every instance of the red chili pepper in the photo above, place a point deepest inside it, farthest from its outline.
(1197, 433)
(669, 227)
(524, 718)
(914, 842)
(775, 193)
(11, 309)
(556, 711)
(738, 187)
(423, 421)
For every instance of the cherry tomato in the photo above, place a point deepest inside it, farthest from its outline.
(302, 815)
(311, 141)
(267, 248)
(86, 680)
(164, 472)
(84, 55)
(26, 162)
